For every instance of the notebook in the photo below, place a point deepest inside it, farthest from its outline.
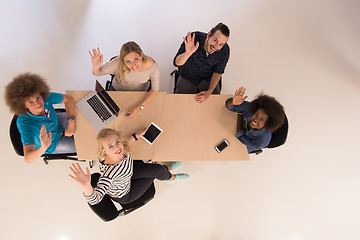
(98, 108)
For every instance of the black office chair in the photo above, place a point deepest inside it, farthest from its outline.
(278, 137)
(106, 208)
(175, 73)
(109, 82)
(18, 146)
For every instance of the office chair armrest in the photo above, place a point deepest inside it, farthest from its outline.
(107, 85)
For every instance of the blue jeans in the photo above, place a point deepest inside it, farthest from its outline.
(65, 144)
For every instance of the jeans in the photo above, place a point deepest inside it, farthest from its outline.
(65, 144)
(185, 86)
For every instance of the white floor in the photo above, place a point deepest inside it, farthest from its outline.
(306, 53)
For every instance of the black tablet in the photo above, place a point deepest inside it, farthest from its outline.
(152, 133)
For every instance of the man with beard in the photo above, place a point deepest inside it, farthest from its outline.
(202, 59)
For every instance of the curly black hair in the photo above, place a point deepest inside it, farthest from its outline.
(272, 108)
(21, 88)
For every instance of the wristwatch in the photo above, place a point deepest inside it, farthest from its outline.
(134, 136)
(72, 117)
(141, 107)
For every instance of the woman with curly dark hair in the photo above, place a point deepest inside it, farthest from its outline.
(256, 119)
(41, 130)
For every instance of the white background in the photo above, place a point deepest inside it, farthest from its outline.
(306, 53)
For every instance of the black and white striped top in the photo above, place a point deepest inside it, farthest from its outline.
(114, 180)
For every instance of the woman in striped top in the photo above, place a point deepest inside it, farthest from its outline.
(122, 178)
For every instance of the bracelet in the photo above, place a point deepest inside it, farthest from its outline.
(134, 136)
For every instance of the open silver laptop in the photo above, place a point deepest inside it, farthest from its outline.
(98, 107)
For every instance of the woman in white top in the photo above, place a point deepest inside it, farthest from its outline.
(122, 178)
(132, 70)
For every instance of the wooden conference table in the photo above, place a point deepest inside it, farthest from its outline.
(190, 130)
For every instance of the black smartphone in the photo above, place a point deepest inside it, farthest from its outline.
(222, 145)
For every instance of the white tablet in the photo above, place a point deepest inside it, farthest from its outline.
(152, 133)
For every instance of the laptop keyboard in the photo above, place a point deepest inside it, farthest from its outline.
(99, 108)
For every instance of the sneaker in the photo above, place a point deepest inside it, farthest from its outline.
(180, 177)
(173, 165)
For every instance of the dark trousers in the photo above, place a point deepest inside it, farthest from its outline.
(143, 176)
(186, 87)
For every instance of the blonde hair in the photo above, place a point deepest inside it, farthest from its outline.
(104, 133)
(127, 48)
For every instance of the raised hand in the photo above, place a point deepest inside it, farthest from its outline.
(239, 97)
(79, 176)
(190, 46)
(45, 139)
(96, 58)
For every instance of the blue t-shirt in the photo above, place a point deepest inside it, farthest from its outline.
(29, 125)
(253, 139)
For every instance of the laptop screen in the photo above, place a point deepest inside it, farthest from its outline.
(114, 108)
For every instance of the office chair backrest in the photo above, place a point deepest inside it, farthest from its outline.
(279, 137)
(176, 77)
(106, 208)
(16, 137)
